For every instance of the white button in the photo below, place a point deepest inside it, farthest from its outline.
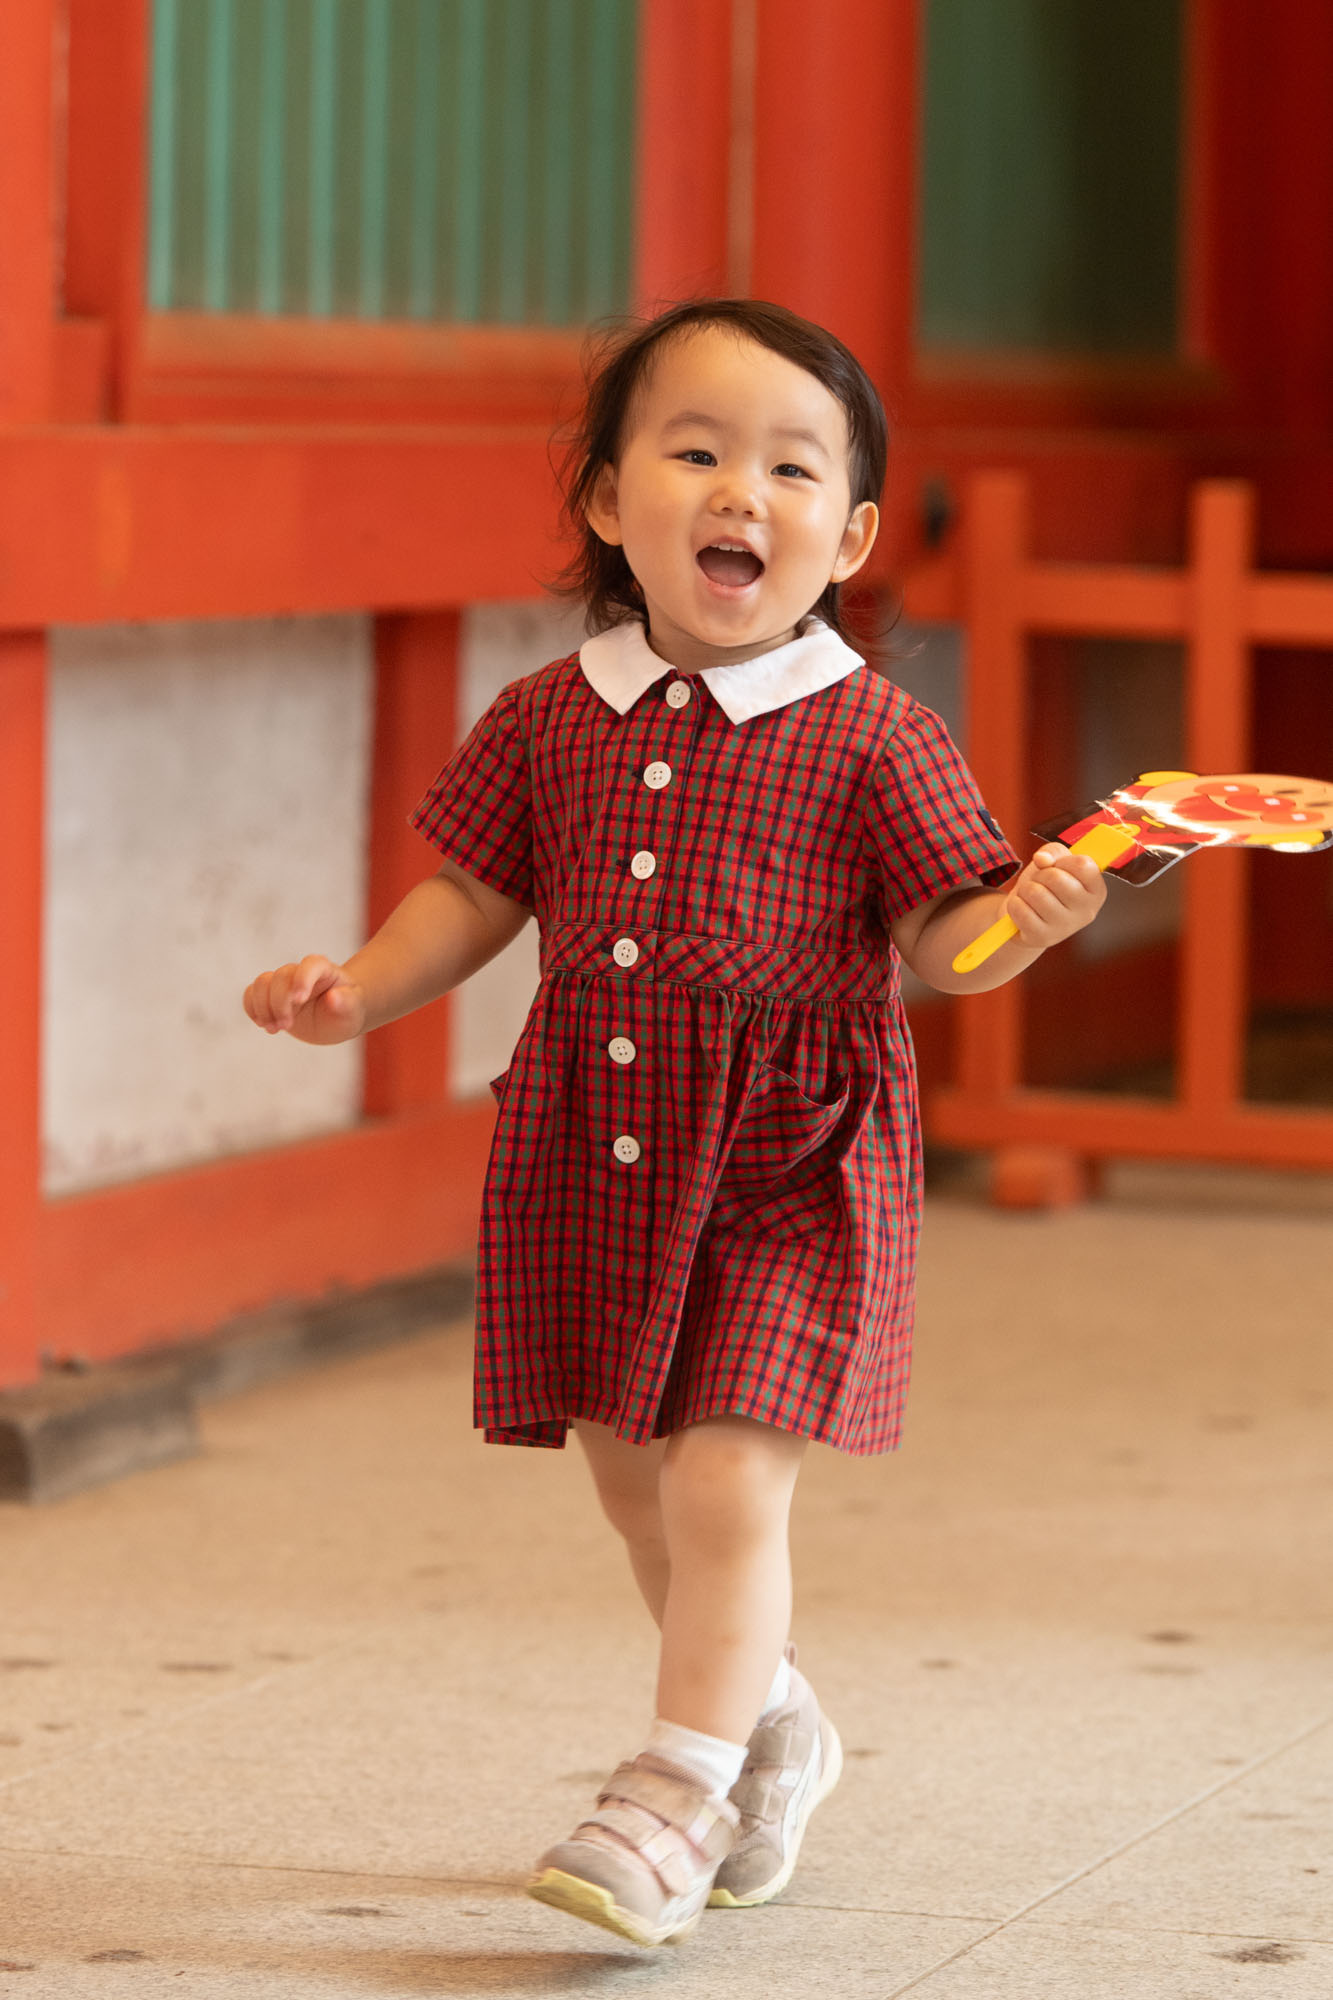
(657, 776)
(627, 1149)
(678, 694)
(625, 951)
(621, 1050)
(643, 865)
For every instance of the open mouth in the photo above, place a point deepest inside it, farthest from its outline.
(729, 565)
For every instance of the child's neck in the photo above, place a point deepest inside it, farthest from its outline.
(689, 655)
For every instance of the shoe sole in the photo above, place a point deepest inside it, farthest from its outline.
(597, 1905)
(722, 1899)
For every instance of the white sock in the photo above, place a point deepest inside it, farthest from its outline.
(780, 1692)
(713, 1761)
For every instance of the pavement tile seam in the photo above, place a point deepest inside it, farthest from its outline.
(1169, 1930)
(158, 1724)
(1179, 1812)
(325, 1871)
(501, 1884)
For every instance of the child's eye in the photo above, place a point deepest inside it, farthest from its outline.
(788, 471)
(699, 457)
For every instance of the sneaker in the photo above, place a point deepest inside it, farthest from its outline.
(793, 1760)
(643, 1863)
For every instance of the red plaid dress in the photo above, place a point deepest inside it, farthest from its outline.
(703, 1189)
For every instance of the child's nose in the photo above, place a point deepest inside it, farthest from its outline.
(736, 494)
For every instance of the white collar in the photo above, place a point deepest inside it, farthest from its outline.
(620, 664)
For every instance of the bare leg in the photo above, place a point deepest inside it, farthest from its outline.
(626, 1476)
(725, 1493)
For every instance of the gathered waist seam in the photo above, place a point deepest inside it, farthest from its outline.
(712, 963)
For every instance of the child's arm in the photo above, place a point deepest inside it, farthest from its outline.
(1056, 895)
(441, 933)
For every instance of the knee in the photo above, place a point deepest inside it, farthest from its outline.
(724, 1486)
(634, 1513)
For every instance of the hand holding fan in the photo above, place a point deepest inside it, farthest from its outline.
(1147, 826)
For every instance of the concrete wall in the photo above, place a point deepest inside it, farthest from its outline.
(207, 798)
(206, 816)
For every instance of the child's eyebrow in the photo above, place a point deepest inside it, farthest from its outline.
(804, 437)
(688, 420)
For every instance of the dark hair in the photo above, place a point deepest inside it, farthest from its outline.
(617, 361)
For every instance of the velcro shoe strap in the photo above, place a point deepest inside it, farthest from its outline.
(676, 1799)
(670, 1861)
(779, 1743)
(716, 1838)
(757, 1797)
(629, 1822)
(673, 1797)
(676, 1854)
(666, 1793)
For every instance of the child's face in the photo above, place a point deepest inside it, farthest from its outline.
(732, 445)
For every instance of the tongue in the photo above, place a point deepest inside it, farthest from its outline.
(734, 566)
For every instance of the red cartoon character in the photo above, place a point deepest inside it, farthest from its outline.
(1145, 827)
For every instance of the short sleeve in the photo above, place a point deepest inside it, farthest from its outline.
(927, 825)
(478, 813)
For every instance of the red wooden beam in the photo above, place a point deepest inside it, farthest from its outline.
(1137, 603)
(1134, 1128)
(164, 1258)
(1289, 610)
(22, 723)
(201, 524)
(237, 368)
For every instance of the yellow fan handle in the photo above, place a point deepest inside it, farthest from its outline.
(1104, 843)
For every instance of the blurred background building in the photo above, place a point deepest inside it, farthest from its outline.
(291, 296)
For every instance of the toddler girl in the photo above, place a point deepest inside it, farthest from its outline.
(701, 1205)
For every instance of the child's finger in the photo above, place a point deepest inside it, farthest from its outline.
(279, 995)
(1033, 902)
(1068, 886)
(313, 976)
(258, 1001)
(255, 1000)
(1077, 867)
(312, 979)
(1054, 900)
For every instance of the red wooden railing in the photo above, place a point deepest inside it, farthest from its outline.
(1221, 608)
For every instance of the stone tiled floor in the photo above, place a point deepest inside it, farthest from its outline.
(291, 1720)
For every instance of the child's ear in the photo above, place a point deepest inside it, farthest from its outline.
(858, 540)
(603, 509)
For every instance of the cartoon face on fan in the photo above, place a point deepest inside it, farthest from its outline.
(1174, 813)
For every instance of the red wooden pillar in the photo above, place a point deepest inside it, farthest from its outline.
(106, 176)
(27, 312)
(22, 726)
(995, 534)
(684, 109)
(27, 211)
(832, 172)
(1214, 997)
(416, 707)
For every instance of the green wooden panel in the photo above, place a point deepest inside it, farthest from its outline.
(393, 159)
(1051, 175)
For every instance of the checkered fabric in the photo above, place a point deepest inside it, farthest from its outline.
(703, 1190)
